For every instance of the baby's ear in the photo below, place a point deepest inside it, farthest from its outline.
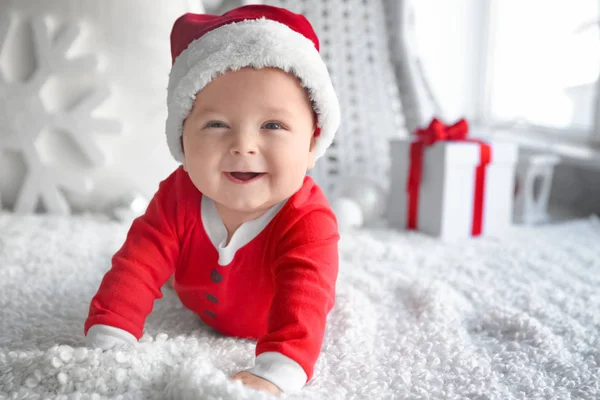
(313, 140)
(311, 152)
(183, 151)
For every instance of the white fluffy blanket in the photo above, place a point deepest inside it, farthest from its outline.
(498, 318)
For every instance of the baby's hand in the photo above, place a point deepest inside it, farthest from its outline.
(254, 382)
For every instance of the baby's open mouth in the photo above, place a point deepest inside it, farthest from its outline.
(244, 176)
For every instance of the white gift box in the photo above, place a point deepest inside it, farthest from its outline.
(447, 188)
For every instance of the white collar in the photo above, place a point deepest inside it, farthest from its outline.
(217, 233)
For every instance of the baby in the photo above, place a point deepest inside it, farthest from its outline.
(249, 239)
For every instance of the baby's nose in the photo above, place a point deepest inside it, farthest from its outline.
(244, 144)
(242, 151)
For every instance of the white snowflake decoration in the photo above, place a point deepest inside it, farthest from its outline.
(23, 117)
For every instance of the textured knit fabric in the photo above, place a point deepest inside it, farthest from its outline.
(278, 289)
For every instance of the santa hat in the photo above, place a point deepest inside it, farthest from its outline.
(205, 46)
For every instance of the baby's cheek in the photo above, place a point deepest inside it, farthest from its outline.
(287, 182)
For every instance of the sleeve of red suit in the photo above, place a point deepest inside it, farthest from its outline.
(140, 267)
(305, 275)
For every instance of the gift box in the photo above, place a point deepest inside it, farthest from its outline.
(449, 185)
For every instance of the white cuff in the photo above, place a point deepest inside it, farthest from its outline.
(280, 370)
(106, 337)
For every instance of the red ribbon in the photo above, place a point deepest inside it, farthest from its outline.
(437, 131)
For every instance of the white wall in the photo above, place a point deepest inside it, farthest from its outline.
(131, 39)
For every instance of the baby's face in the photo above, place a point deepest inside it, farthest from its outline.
(248, 140)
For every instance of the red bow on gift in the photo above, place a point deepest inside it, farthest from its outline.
(437, 131)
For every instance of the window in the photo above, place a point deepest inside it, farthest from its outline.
(543, 65)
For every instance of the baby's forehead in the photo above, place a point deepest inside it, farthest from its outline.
(265, 71)
(231, 82)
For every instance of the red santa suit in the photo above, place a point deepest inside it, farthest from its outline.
(274, 281)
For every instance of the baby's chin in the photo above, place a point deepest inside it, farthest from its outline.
(246, 204)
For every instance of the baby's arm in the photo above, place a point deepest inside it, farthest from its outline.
(139, 269)
(305, 276)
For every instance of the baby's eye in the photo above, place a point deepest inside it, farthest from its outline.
(215, 124)
(272, 125)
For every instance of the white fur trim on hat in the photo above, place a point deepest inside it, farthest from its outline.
(258, 43)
